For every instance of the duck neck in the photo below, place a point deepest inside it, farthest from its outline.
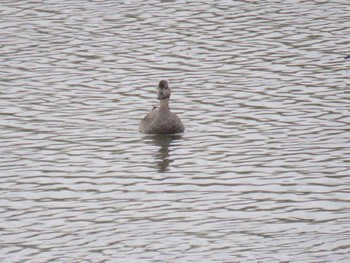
(164, 104)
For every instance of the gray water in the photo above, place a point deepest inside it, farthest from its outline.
(260, 175)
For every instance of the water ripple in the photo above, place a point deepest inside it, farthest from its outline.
(260, 175)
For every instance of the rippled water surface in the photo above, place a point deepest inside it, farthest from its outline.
(260, 175)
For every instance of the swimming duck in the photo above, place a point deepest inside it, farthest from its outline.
(161, 120)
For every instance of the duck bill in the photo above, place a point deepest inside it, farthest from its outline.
(160, 95)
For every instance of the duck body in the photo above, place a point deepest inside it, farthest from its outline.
(161, 120)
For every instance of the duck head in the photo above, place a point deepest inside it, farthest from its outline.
(163, 90)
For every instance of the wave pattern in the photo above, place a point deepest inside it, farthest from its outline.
(260, 175)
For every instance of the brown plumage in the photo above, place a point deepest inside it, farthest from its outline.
(161, 120)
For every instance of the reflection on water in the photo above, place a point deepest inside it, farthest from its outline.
(260, 175)
(164, 141)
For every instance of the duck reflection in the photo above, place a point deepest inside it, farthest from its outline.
(162, 156)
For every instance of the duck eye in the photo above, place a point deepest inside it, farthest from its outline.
(166, 87)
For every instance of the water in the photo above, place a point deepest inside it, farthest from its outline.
(260, 175)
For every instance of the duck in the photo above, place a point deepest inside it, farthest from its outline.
(160, 120)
